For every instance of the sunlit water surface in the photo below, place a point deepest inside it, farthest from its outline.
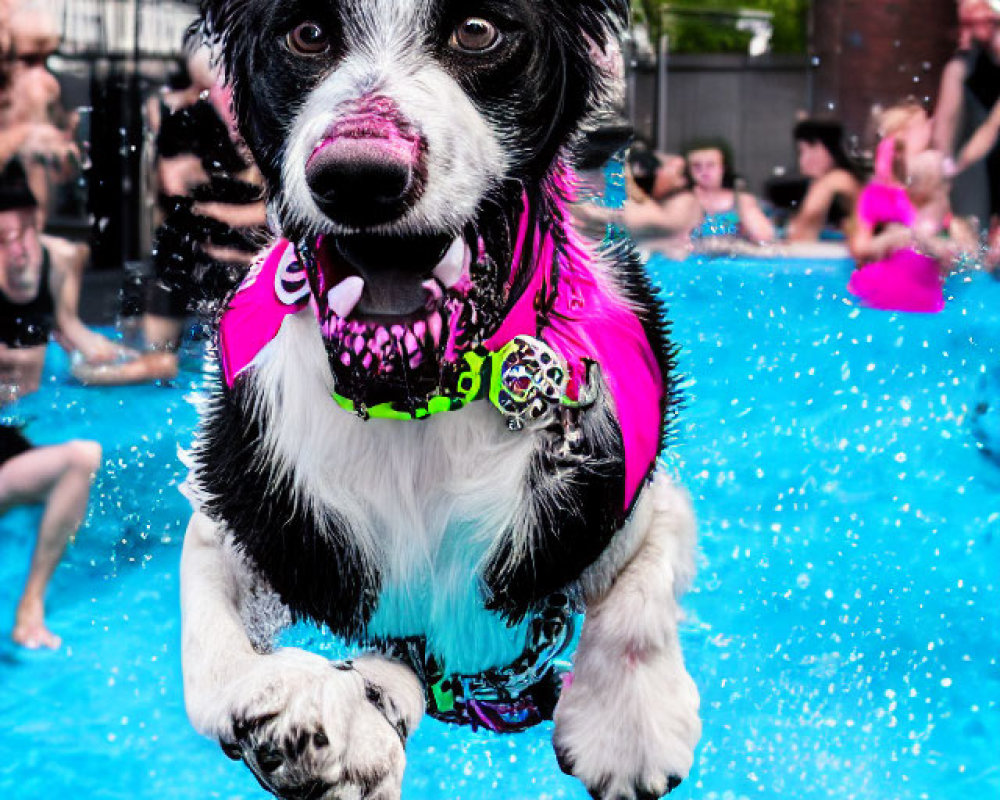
(843, 631)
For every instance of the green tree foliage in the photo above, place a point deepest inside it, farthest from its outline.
(694, 34)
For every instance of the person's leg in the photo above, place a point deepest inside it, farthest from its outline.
(60, 476)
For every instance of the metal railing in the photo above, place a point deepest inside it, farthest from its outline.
(120, 29)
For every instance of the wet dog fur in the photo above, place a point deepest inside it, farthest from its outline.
(451, 527)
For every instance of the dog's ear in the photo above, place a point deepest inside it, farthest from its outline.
(218, 16)
(592, 32)
(222, 25)
(606, 19)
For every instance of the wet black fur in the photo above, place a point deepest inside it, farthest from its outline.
(537, 93)
(539, 89)
(576, 519)
(579, 518)
(319, 576)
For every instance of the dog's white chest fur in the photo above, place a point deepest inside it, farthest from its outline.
(425, 500)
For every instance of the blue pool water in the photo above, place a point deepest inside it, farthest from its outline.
(843, 631)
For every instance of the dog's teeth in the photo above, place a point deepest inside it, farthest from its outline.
(359, 345)
(420, 329)
(345, 359)
(367, 361)
(434, 323)
(411, 343)
(343, 297)
(455, 264)
(398, 332)
(382, 337)
(434, 293)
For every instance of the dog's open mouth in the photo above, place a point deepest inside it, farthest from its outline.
(400, 306)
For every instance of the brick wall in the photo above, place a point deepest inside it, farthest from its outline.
(878, 51)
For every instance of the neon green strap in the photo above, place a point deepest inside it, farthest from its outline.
(481, 367)
(521, 380)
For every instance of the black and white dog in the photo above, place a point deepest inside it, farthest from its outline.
(439, 411)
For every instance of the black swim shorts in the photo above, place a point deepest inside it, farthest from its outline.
(12, 443)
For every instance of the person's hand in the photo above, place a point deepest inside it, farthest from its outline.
(235, 216)
(96, 349)
(180, 174)
(895, 237)
(49, 145)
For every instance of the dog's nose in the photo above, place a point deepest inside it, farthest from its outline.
(369, 168)
(362, 182)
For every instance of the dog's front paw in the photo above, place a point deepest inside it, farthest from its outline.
(628, 731)
(311, 728)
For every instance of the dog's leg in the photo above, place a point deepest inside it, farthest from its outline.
(628, 723)
(305, 726)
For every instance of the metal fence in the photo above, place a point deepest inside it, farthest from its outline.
(123, 28)
(113, 56)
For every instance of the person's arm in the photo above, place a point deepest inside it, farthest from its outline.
(867, 246)
(948, 251)
(676, 216)
(36, 142)
(178, 175)
(948, 110)
(982, 141)
(68, 263)
(757, 228)
(233, 214)
(144, 368)
(807, 224)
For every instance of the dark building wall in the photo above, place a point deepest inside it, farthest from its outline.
(878, 51)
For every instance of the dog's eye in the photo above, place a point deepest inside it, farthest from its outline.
(308, 39)
(475, 35)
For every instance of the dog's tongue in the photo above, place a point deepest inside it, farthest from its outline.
(343, 297)
(389, 275)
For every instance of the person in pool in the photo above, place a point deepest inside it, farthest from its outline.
(906, 239)
(214, 221)
(982, 143)
(833, 186)
(38, 293)
(660, 211)
(969, 88)
(726, 212)
(34, 127)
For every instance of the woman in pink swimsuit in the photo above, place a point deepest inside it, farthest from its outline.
(906, 239)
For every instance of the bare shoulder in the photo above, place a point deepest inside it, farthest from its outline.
(682, 200)
(954, 72)
(65, 254)
(176, 100)
(747, 202)
(838, 181)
